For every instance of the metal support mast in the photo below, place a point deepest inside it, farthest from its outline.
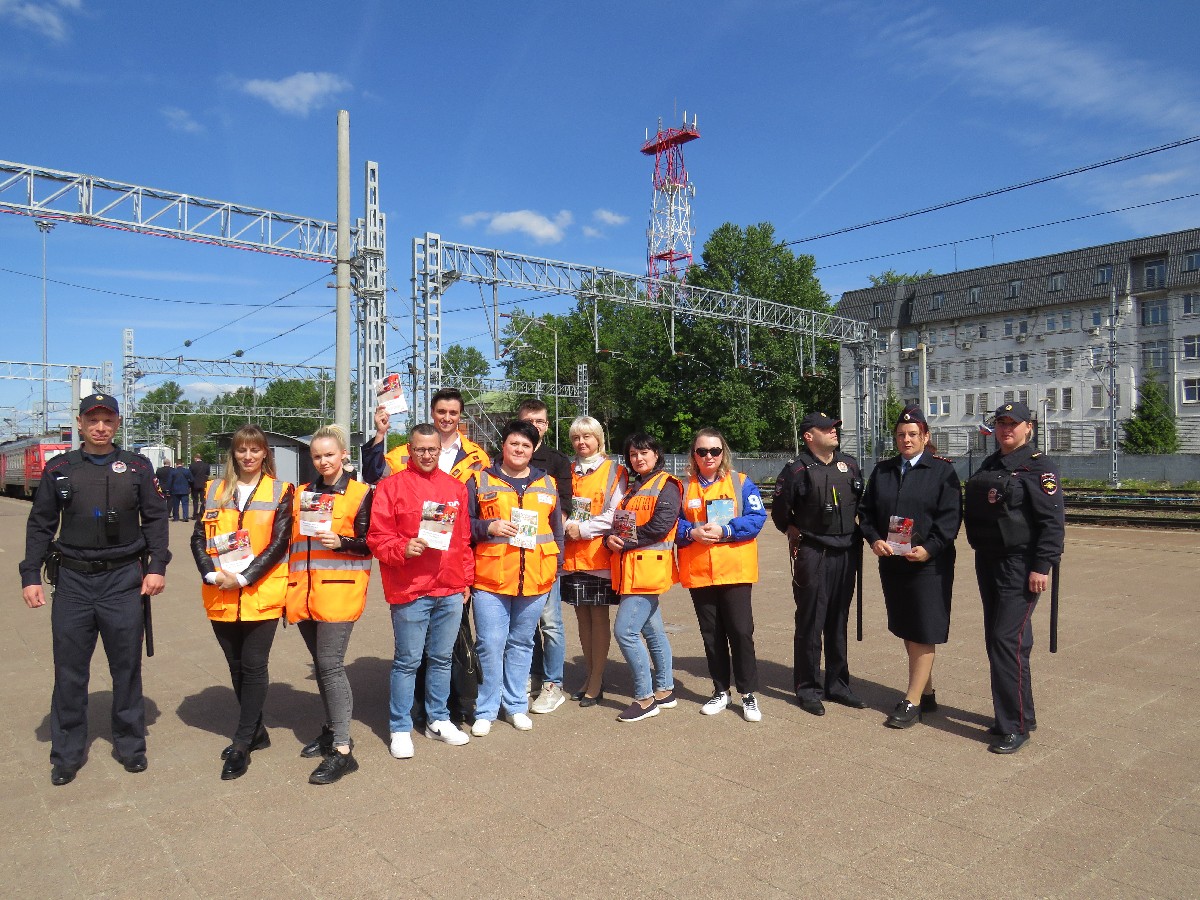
(370, 273)
(669, 234)
(341, 353)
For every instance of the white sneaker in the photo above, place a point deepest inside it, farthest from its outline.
(716, 703)
(520, 721)
(447, 732)
(481, 727)
(550, 699)
(402, 745)
(750, 710)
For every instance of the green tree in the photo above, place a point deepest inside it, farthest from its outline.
(153, 425)
(296, 393)
(465, 362)
(891, 276)
(1152, 428)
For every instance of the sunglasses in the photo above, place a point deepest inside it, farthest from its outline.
(714, 452)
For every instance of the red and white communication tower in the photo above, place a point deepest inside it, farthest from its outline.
(669, 236)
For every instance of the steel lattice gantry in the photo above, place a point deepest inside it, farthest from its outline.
(89, 200)
(437, 264)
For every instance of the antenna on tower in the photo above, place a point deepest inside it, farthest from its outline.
(669, 235)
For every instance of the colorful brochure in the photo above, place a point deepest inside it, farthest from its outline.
(624, 525)
(232, 550)
(437, 523)
(526, 521)
(581, 509)
(316, 513)
(719, 512)
(900, 535)
(389, 393)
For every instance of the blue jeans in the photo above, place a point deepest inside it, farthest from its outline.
(504, 628)
(639, 615)
(549, 645)
(426, 627)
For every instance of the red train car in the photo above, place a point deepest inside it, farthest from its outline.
(22, 462)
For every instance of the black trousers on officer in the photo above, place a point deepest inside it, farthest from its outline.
(1008, 634)
(822, 584)
(107, 604)
(726, 622)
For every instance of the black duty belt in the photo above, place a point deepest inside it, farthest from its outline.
(96, 566)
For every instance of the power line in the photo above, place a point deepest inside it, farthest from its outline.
(995, 192)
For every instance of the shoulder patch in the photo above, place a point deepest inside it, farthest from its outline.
(1049, 483)
(944, 459)
(1036, 454)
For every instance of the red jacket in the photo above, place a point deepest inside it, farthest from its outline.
(396, 519)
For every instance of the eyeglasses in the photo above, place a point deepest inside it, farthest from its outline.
(537, 421)
(714, 452)
(425, 451)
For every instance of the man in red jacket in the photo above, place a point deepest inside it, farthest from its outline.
(421, 536)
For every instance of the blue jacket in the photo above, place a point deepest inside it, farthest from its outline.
(181, 480)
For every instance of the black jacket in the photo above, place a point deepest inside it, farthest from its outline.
(281, 538)
(1014, 506)
(930, 495)
(557, 465)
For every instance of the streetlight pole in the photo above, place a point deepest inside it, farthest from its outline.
(45, 226)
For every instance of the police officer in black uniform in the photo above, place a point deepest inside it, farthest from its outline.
(1015, 522)
(815, 504)
(111, 519)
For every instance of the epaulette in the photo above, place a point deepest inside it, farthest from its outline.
(1036, 454)
(943, 458)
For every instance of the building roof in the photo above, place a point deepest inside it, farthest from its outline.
(916, 302)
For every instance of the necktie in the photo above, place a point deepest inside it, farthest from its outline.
(904, 469)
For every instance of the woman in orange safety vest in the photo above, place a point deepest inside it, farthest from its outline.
(597, 485)
(329, 568)
(240, 546)
(643, 567)
(718, 562)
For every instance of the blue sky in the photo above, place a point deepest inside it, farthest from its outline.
(518, 127)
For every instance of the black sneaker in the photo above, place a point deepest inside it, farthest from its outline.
(929, 702)
(321, 745)
(333, 767)
(905, 715)
(636, 712)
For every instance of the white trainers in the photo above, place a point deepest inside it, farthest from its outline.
(402, 745)
(716, 703)
(447, 732)
(481, 728)
(520, 721)
(550, 699)
(750, 710)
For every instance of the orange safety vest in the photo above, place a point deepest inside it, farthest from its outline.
(703, 565)
(597, 486)
(651, 569)
(265, 598)
(501, 568)
(475, 460)
(325, 585)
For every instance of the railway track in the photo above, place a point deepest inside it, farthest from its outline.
(1116, 520)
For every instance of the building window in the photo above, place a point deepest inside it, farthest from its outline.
(1097, 357)
(983, 367)
(908, 340)
(1023, 396)
(1051, 399)
(1155, 272)
(1102, 437)
(877, 311)
(1097, 318)
(1051, 322)
(1008, 326)
(1009, 397)
(1191, 390)
(1068, 399)
(1051, 361)
(1058, 282)
(1154, 312)
(1066, 321)
(1023, 327)
(1068, 360)
(969, 404)
(983, 404)
(936, 301)
(1191, 261)
(979, 442)
(945, 404)
(983, 332)
(933, 407)
(1023, 362)
(911, 377)
(945, 371)
(1014, 289)
(973, 294)
(1060, 440)
(1103, 274)
(969, 368)
(1097, 397)
(1191, 304)
(932, 374)
(1154, 355)
(1191, 347)
(1009, 367)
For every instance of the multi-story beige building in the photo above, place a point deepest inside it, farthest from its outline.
(1041, 330)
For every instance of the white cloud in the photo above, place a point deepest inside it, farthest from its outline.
(590, 232)
(44, 16)
(537, 226)
(608, 217)
(297, 94)
(181, 120)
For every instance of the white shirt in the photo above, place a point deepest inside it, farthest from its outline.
(912, 462)
(449, 455)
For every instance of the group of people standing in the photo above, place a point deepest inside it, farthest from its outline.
(460, 537)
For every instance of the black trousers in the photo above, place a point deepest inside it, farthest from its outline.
(727, 628)
(822, 582)
(108, 605)
(247, 648)
(1008, 607)
(197, 503)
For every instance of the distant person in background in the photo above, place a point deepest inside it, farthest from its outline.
(200, 474)
(163, 475)
(181, 489)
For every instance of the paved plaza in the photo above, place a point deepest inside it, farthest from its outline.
(1103, 802)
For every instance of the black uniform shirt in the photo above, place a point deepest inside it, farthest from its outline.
(930, 495)
(1014, 506)
(557, 465)
(800, 503)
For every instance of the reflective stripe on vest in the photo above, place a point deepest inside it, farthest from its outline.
(592, 555)
(726, 562)
(650, 569)
(502, 568)
(476, 460)
(265, 598)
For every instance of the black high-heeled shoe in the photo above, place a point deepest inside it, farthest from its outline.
(586, 701)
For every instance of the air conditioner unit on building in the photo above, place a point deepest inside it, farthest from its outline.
(966, 345)
(1039, 336)
(1094, 331)
(1022, 338)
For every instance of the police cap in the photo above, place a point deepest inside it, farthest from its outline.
(818, 420)
(1017, 411)
(910, 415)
(98, 401)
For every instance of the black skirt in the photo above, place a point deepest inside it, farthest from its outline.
(585, 589)
(917, 597)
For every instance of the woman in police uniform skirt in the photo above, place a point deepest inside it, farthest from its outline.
(918, 584)
(1015, 523)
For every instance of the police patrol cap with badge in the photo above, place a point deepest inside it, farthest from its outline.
(911, 415)
(1017, 411)
(818, 420)
(98, 401)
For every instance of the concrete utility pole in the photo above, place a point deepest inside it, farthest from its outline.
(45, 227)
(1114, 477)
(341, 356)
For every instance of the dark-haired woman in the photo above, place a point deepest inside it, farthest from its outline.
(643, 568)
(240, 546)
(719, 524)
(916, 569)
(517, 532)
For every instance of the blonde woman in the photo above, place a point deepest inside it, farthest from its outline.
(240, 546)
(329, 569)
(597, 485)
